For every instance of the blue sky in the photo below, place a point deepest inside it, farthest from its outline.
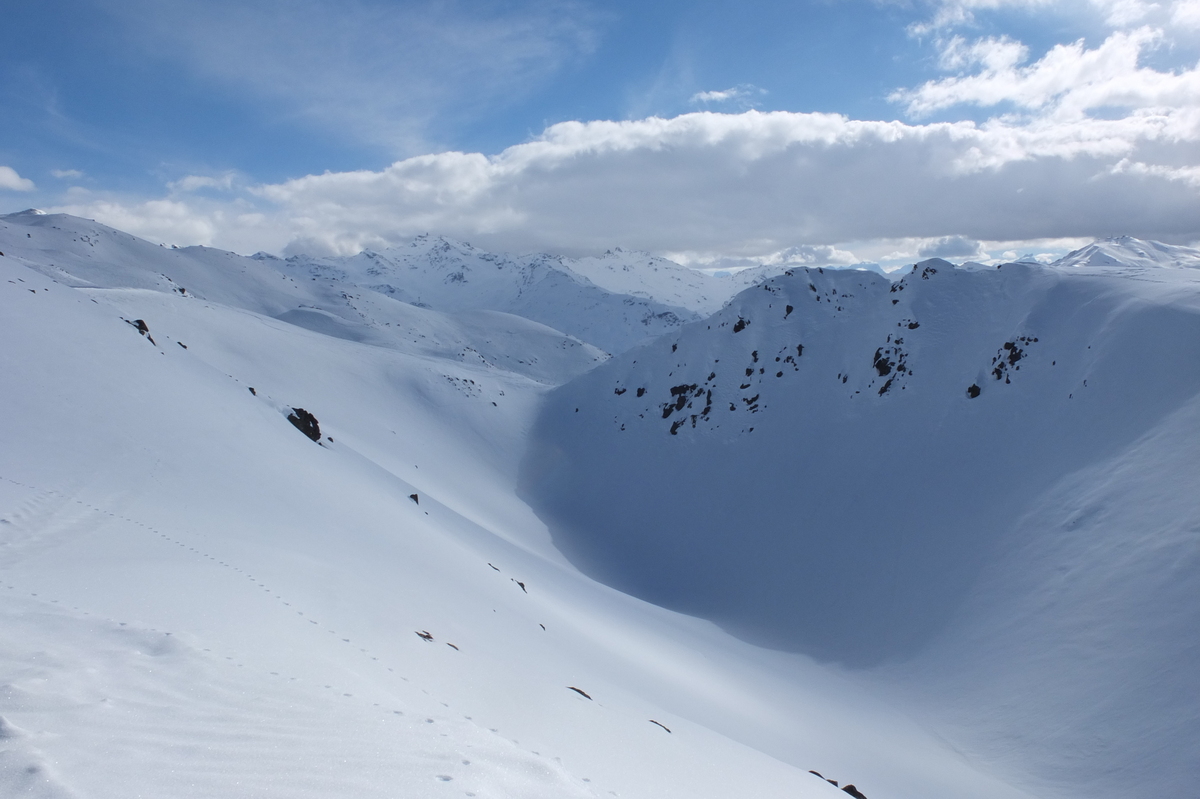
(214, 122)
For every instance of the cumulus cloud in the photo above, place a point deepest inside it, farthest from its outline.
(747, 184)
(1186, 14)
(1099, 144)
(10, 180)
(950, 14)
(742, 94)
(191, 183)
(1070, 80)
(952, 247)
(811, 255)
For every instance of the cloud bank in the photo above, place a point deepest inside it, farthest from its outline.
(1088, 142)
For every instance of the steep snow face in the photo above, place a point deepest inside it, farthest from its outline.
(84, 254)
(833, 463)
(1130, 252)
(437, 273)
(1075, 654)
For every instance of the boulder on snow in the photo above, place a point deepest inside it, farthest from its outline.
(306, 423)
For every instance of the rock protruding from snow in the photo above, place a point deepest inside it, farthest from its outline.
(306, 423)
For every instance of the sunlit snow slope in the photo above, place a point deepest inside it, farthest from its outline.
(198, 600)
(982, 482)
(435, 272)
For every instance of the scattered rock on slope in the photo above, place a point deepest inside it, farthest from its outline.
(306, 423)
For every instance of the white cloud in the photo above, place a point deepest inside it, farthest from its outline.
(1068, 81)
(741, 94)
(731, 185)
(949, 14)
(192, 183)
(66, 174)
(1186, 14)
(10, 180)
(948, 247)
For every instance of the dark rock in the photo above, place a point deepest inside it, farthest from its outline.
(972, 391)
(415, 498)
(855, 792)
(740, 325)
(306, 423)
(579, 691)
(881, 363)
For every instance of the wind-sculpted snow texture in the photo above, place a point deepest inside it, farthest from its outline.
(861, 469)
(437, 273)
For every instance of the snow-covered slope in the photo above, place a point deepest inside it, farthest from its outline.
(81, 253)
(641, 274)
(1130, 252)
(446, 275)
(988, 473)
(196, 599)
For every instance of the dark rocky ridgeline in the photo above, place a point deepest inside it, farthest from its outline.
(306, 423)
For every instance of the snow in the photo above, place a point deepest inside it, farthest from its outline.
(447, 275)
(198, 600)
(641, 274)
(1126, 251)
(808, 469)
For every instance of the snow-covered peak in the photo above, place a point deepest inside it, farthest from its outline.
(316, 295)
(1128, 251)
(641, 274)
(444, 274)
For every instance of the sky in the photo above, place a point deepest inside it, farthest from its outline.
(716, 133)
